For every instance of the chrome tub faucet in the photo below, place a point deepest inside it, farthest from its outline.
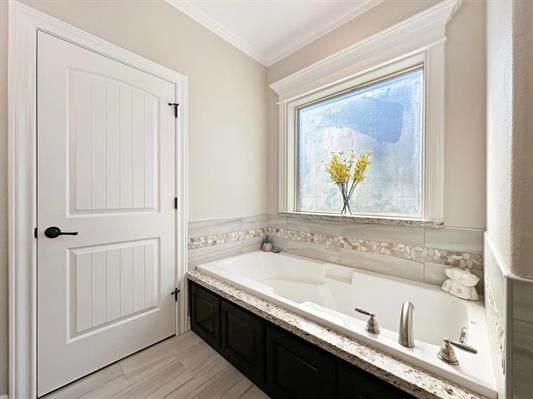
(405, 335)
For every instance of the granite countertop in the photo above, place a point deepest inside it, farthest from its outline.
(415, 381)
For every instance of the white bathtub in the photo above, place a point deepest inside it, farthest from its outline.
(328, 294)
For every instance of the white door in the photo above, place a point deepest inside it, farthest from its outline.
(106, 171)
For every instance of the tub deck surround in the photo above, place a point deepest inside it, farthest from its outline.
(209, 240)
(418, 251)
(400, 250)
(220, 238)
(413, 380)
(204, 233)
(327, 293)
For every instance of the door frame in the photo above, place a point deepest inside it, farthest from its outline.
(24, 23)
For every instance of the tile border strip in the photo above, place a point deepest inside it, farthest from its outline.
(418, 253)
(468, 260)
(210, 240)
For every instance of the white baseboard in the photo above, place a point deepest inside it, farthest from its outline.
(3, 396)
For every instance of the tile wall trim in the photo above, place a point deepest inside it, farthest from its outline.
(491, 309)
(498, 311)
(210, 240)
(520, 337)
(509, 310)
(417, 253)
(213, 239)
(422, 247)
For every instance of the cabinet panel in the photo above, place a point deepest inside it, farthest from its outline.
(296, 369)
(205, 315)
(283, 364)
(243, 341)
(354, 383)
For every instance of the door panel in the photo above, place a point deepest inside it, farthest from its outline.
(113, 135)
(100, 282)
(105, 149)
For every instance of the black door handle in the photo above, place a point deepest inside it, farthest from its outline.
(54, 231)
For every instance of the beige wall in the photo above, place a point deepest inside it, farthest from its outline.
(3, 197)
(509, 138)
(227, 113)
(227, 133)
(464, 204)
(522, 147)
(510, 187)
(499, 127)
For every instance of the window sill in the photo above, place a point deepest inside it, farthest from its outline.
(364, 220)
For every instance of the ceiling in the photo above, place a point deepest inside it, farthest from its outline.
(269, 30)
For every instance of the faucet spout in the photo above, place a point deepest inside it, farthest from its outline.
(406, 337)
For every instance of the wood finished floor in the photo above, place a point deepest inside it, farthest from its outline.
(179, 367)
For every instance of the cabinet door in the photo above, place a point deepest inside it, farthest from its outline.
(354, 383)
(243, 341)
(297, 369)
(205, 314)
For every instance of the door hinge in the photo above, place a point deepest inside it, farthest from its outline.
(175, 105)
(175, 293)
(35, 232)
(175, 202)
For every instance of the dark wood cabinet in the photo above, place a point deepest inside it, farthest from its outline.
(354, 383)
(243, 341)
(296, 369)
(205, 314)
(283, 365)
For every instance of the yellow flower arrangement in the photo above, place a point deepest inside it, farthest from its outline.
(347, 173)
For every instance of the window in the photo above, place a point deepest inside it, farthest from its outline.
(384, 94)
(384, 116)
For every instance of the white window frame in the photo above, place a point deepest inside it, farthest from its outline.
(419, 39)
(381, 74)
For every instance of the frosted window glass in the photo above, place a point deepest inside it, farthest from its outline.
(386, 118)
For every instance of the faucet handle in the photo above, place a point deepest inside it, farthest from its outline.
(447, 354)
(463, 346)
(372, 325)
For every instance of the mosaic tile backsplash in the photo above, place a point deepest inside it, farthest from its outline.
(224, 238)
(418, 252)
(400, 250)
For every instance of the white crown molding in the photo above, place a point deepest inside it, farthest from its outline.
(412, 35)
(190, 9)
(323, 30)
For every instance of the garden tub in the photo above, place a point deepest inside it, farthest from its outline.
(328, 294)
